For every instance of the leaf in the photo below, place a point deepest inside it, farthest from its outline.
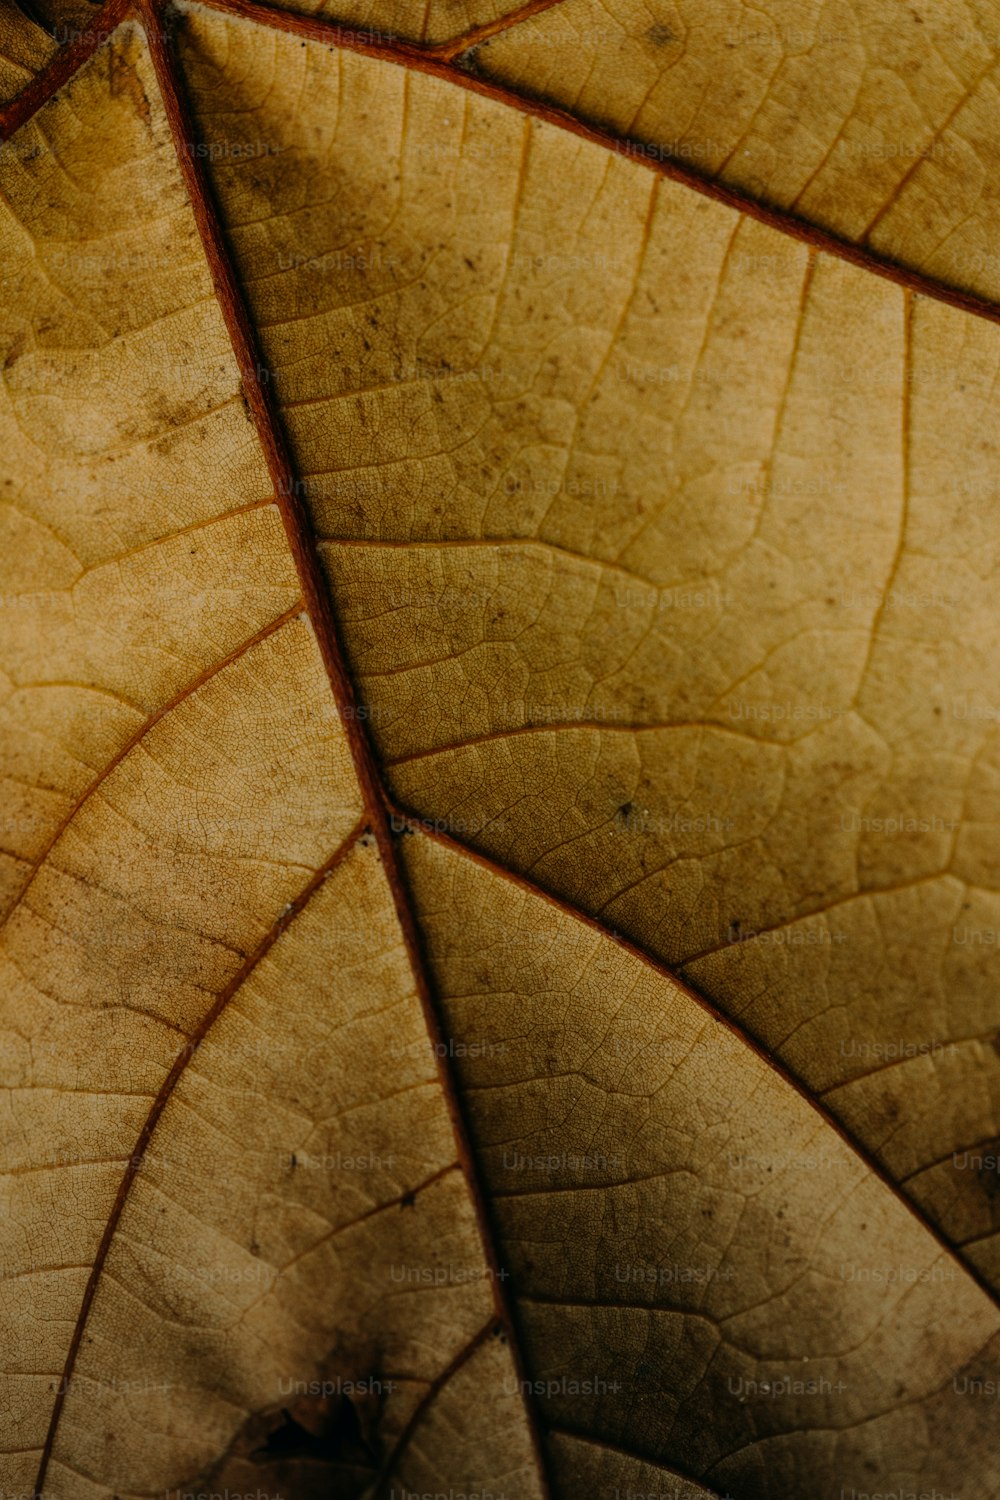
(500, 763)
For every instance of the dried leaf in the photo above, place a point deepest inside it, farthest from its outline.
(499, 741)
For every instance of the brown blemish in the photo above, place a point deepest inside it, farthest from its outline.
(125, 81)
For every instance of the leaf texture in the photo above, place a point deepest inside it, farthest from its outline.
(499, 673)
(23, 51)
(874, 122)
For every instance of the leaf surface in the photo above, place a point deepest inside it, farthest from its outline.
(874, 122)
(499, 739)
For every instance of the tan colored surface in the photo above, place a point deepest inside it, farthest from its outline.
(132, 565)
(663, 552)
(877, 119)
(694, 623)
(707, 1275)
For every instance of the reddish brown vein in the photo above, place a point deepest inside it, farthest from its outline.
(302, 543)
(448, 51)
(571, 726)
(403, 817)
(187, 691)
(69, 59)
(149, 1125)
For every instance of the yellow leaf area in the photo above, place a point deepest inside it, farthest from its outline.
(617, 1112)
(24, 49)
